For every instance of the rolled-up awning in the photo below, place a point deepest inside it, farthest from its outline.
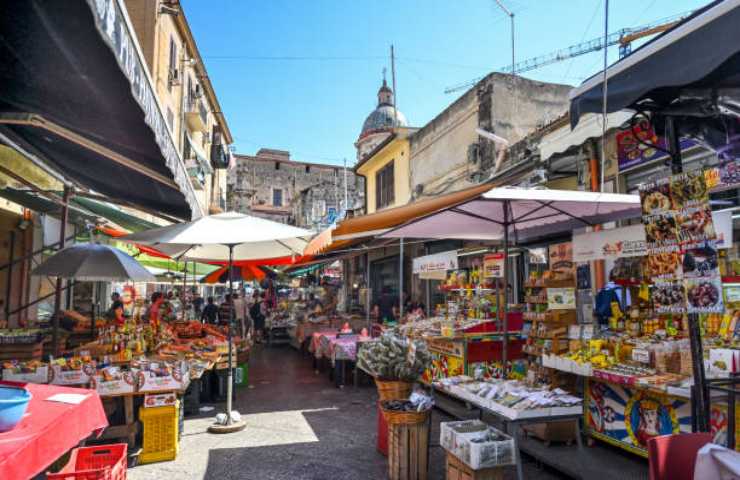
(564, 138)
(77, 97)
(702, 51)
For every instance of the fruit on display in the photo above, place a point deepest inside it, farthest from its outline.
(16, 366)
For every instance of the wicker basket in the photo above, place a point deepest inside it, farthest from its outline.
(393, 389)
(394, 417)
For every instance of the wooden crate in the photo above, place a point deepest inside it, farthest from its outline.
(408, 451)
(457, 470)
(564, 431)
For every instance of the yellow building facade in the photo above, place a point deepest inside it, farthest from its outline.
(386, 172)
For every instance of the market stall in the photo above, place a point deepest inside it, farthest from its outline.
(465, 332)
(56, 420)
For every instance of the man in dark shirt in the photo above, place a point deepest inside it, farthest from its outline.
(210, 312)
(387, 306)
(224, 311)
(116, 303)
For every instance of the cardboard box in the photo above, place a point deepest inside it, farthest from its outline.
(40, 375)
(118, 382)
(160, 400)
(72, 377)
(152, 379)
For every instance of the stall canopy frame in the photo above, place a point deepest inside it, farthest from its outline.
(523, 213)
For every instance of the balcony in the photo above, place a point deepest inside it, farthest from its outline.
(196, 116)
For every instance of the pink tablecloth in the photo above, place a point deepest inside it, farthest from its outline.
(344, 348)
(48, 430)
(320, 342)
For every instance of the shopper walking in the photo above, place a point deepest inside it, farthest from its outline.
(210, 312)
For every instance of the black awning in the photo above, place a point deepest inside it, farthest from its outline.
(702, 51)
(74, 92)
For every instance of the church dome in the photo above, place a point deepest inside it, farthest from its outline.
(385, 116)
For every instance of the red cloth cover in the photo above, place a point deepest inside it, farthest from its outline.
(672, 457)
(48, 430)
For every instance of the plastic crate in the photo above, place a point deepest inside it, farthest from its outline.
(160, 436)
(105, 462)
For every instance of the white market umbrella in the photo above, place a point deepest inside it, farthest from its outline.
(524, 213)
(207, 238)
(92, 262)
(226, 236)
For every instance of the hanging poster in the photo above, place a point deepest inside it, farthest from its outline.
(638, 145)
(629, 417)
(604, 244)
(493, 265)
(561, 298)
(561, 257)
(681, 244)
(538, 256)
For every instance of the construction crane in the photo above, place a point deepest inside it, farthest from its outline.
(623, 38)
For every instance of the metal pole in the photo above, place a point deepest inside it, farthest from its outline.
(428, 286)
(400, 281)
(94, 309)
(701, 398)
(395, 96)
(604, 99)
(367, 289)
(11, 253)
(230, 374)
(346, 200)
(505, 346)
(58, 294)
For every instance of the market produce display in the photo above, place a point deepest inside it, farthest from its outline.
(393, 357)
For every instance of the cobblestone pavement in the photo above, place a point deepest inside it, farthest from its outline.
(299, 427)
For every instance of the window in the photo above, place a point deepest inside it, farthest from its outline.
(308, 168)
(277, 165)
(277, 197)
(384, 187)
(173, 64)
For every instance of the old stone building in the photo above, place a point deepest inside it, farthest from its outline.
(271, 185)
(448, 154)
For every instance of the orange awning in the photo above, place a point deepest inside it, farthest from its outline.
(246, 273)
(378, 222)
(319, 242)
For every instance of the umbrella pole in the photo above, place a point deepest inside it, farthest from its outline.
(230, 375)
(505, 346)
(92, 313)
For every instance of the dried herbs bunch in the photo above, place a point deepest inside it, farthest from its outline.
(393, 357)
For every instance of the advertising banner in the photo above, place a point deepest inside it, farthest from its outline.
(493, 265)
(609, 244)
(561, 257)
(438, 262)
(681, 244)
(561, 298)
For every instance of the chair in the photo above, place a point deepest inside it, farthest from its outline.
(672, 457)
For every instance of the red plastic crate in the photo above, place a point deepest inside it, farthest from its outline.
(105, 462)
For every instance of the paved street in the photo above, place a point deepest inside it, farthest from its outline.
(299, 427)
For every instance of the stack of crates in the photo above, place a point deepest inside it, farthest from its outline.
(160, 424)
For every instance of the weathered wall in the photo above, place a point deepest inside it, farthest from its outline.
(253, 178)
(439, 150)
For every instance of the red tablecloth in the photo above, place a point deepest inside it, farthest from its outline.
(48, 430)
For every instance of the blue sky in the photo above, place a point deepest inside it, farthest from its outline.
(303, 75)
